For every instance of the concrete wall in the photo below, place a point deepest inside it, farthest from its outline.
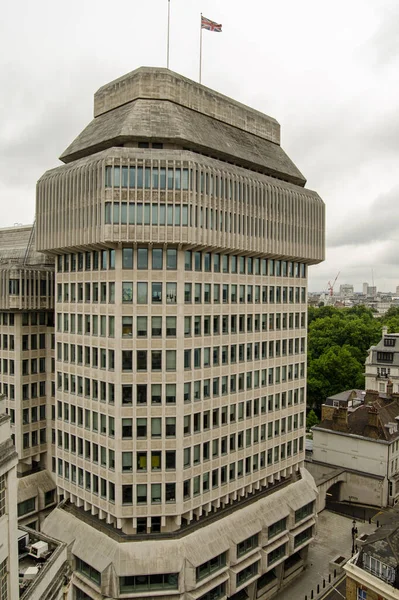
(351, 452)
(363, 489)
(353, 486)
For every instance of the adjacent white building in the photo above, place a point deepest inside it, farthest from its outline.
(359, 430)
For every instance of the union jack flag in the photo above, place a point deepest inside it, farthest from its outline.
(210, 25)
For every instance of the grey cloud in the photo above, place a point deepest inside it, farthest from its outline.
(378, 222)
(382, 46)
(42, 124)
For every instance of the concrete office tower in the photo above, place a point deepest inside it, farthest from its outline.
(8, 509)
(27, 328)
(27, 366)
(182, 234)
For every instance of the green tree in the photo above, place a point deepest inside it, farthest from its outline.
(334, 371)
(311, 419)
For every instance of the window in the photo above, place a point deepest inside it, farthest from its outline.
(157, 258)
(304, 512)
(127, 326)
(378, 568)
(385, 357)
(277, 528)
(156, 292)
(247, 545)
(127, 258)
(142, 258)
(88, 571)
(247, 573)
(215, 593)
(171, 259)
(127, 291)
(302, 537)
(142, 293)
(26, 507)
(276, 554)
(361, 594)
(140, 583)
(210, 566)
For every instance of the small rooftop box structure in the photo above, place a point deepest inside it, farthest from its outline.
(23, 540)
(39, 549)
(30, 573)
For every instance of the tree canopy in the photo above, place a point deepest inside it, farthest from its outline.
(338, 342)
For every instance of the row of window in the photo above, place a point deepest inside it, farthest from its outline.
(167, 292)
(160, 426)
(158, 258)
(158, 178)
(34, 414)
(33, 366)
(166, 394)
(202, 293)
(156, 360)
(7, 342)
(217, 219)
(228, 414)
(34, 319)
(27, 287)
(195, 260)
(137, 213)
(154, 460)
(37, 389)
(7, 319)
(29, 367)
(198, 390)
(200, 325)
(203, 325)
(176, 178)
(87, 261)
(96, 453)
(34, 438)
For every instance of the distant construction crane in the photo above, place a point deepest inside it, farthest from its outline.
(331, 286)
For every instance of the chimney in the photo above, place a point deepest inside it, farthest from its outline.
(327, 412)
(370, 396)
(384, 331)
(373, 417)
(341, 415)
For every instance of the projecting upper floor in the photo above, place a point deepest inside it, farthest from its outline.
(26, 276)
(166, 160)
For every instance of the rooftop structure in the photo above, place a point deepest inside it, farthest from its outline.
(374, 571)
(43, 566)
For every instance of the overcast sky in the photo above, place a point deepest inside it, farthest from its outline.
(327, 71)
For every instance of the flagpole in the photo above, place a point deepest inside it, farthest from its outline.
(200, 63)
(168, 37)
